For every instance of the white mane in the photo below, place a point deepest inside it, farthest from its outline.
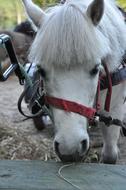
(68, 36)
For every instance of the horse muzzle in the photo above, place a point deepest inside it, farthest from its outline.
(75, 156)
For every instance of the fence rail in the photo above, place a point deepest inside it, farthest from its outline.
(39, 175)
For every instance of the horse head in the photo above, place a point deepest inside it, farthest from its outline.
(69, 47)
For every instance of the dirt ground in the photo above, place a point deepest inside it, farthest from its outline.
(21, 140)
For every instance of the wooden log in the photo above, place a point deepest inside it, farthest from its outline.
(39, 175)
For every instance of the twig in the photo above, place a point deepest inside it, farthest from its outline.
(65, 179)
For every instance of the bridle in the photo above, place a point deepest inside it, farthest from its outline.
(88, 112)
(43, 101)
(106, 81)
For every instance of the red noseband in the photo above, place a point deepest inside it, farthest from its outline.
(105, 82)
(74, 107)
(70, 106)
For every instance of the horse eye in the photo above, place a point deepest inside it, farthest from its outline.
(95, 70)
(42, 72)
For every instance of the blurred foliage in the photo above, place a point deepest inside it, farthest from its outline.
(46, 3)
(122, 3)
(12, 12)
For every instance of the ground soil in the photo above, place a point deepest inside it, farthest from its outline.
(21, 140)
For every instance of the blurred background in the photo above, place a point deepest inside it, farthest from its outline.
(11, 11)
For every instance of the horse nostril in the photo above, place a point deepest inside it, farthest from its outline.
(84, 145)
(56, 145)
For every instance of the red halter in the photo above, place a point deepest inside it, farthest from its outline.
(105, 82)
(87, 112)
(70, 106)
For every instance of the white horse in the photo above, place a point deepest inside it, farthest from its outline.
(72, 40)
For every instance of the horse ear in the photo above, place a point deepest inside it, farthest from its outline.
(95, 11)
(33, 11)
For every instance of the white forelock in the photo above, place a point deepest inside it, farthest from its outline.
(67, 36)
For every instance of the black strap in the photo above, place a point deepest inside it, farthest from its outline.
(39, 111)
(108, 120)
